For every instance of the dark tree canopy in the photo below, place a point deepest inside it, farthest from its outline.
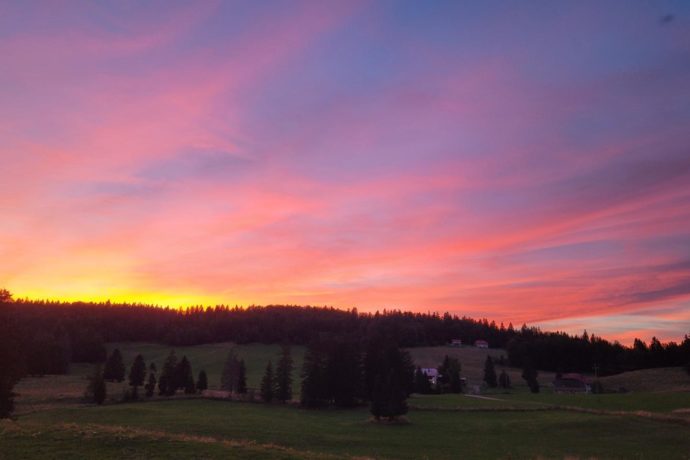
(114, 367)
(10, 372)
(449, 380)
(202, 381)
(184, 377)
(504, 380)
(150, 386)
(137, 372)
(422, 383)
(390, 389)
(167, 384)
(96, 390)
(268, 384)
(283, 377)
(332, 373)
(229, 379)
(490, 373)
(5, 296)
(529, 374)
(242, 378)
(51, 334)
(314, 381)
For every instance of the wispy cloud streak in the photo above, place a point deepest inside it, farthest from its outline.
(525, 164)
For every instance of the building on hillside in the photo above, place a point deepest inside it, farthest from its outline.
(572, 383)
(456, 343)
(481, 344)
(431, 374)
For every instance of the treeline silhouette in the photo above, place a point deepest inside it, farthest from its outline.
(46, 336)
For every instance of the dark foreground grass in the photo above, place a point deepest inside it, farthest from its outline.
(71, 441)
(430, 434)
(662, 402)
(466, 402)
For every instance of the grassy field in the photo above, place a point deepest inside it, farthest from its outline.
(661, 379)
(670, 403)
(257, 430)
(53, 421)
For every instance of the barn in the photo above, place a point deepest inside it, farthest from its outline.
(571, 383)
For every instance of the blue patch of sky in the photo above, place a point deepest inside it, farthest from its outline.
(197, 164)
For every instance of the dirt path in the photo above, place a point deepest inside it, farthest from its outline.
(485, 397)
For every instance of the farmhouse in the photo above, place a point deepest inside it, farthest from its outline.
(431, 373)
(571, 383)
(481, 344)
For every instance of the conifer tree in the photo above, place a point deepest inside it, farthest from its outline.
(490, 373)
(389, 397)
(96, 390)
(10, 367)
(422, 385)
(343, 373)
(529, 373)
(114, 367)
(184, 375)
(190, 387)
(202, 381)
(283, 376)
(449, 380)
(267, 384)
(166, 381)
(150, 386)
(314, 382)
(230, 376)
(242, 378)
(389, 394)
(5, 296)
(379, 397)
(504, 380)
(397, 402)
(137, 372)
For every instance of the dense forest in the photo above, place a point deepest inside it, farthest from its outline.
(43, 337)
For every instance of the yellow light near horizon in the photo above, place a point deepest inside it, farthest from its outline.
(162, 299)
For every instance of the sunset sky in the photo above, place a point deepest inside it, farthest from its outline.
(520, 161)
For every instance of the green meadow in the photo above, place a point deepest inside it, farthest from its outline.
(514, 425)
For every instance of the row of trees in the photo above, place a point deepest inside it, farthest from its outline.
(336, 372)
(278, 385)
(340, 372)
(53, 334)
(175, 375)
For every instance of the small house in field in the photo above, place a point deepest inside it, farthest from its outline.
(572, 383)
(481, 344)
(431, 374)
(457, 343)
